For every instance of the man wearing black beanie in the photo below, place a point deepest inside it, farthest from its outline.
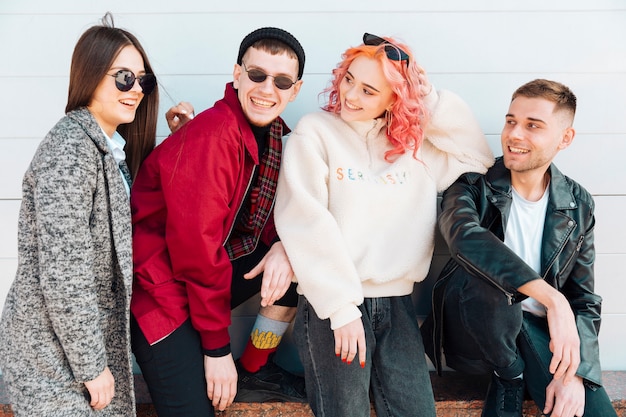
(205, 242)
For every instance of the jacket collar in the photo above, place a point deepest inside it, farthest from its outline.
(232, 101)
(561, 197)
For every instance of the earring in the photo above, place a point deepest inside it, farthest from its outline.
(388, 120)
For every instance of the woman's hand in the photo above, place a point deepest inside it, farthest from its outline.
(277, 274)
(350, 339)
(101, 389)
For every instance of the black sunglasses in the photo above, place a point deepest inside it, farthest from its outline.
(257, 76)
(125, 80)
(392, 51)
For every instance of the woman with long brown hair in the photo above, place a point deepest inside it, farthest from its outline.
(64, 334)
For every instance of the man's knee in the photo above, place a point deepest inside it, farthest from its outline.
(480, 326)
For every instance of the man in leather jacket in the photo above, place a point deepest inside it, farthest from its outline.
(517, 298)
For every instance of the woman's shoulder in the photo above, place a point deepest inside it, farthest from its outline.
(66, 137)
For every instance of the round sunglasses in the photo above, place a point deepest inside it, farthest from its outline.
(125, 80)
(257, 76)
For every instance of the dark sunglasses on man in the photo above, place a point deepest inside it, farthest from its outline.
(257, 76)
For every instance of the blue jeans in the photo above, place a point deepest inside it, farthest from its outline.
(395, 370)
(483, 333)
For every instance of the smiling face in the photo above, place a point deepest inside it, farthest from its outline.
(263, 102)
(110, 106)
(533, 134)
(364, 92)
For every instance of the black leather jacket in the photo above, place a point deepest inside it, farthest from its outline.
(473, 219)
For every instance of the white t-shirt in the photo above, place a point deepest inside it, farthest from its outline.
(523, 236)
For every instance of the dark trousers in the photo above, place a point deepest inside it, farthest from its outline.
(482, 333)
(174, 371)
(173, 368)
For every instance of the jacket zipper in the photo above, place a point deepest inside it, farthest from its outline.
(232, 225)
(509, 295)
(578, 246)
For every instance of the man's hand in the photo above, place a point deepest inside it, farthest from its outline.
(564, 339)
(277, 274)
(221, 380)
(565, 400)
(350, 339)
(178, 115)
(564, 342)
(101, 389)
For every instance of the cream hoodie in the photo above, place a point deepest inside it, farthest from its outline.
(355, 225)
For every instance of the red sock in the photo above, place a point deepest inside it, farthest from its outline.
(264, 339)
(254, 358)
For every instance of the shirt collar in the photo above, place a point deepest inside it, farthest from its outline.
(116, 144)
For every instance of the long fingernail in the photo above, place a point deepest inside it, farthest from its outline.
(363, 364)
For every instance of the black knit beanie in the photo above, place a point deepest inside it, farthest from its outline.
(277, 34)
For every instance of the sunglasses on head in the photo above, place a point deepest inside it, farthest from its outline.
(392, 51)
(257, 76)
(125, 80)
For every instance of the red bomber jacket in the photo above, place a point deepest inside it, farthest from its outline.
(184, 202)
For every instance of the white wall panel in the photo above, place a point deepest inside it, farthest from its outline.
(280, 6)
(9, 210)
(613, 342)
(8, 267)
(610, 282)
(466, 42)
(23, 117)
(610, 229)
(15, 156)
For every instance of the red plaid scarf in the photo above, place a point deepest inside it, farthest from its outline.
(258, 208)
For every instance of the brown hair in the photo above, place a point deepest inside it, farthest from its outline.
(563, 98)
(93, 56)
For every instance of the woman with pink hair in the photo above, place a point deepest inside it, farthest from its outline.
(356, 213)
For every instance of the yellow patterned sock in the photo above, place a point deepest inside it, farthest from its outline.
(264, 340)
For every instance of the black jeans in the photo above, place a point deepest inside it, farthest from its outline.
(483, 333)
(174, 372)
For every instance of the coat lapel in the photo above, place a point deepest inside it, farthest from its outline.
(119, 206)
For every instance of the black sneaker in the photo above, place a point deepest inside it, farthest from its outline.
(271, 383)
(504, 398)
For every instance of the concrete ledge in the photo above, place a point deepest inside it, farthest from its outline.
(456, 395)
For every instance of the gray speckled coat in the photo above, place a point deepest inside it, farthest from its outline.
(66, 316)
